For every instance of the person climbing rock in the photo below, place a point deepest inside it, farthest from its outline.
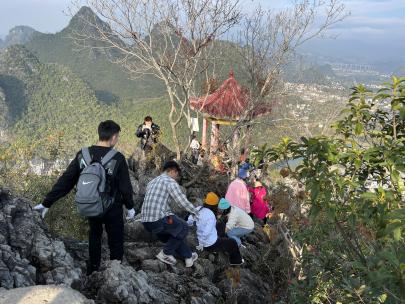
(159, 219)
(119, 189)
(238, 222)
(237, 193)
(260, 207)
(207, 233)
(149, 133)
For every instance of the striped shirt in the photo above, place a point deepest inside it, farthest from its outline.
(156, 203)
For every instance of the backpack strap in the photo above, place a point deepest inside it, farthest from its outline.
(108, 157)
(86, 156)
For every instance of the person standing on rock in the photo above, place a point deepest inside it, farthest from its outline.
(207, 232)
(237, 193)
(117, 181)
(148, 132)
(159, 219)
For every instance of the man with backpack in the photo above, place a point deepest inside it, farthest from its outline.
(101, 177)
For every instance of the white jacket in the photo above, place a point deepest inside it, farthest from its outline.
(206, 227)
(239, 219)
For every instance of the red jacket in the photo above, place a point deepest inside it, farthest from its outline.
(259, 207)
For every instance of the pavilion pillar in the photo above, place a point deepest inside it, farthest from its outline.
(204, 134)
(214, 137)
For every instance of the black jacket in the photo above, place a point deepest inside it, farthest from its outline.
(144, 135)
(69, 178)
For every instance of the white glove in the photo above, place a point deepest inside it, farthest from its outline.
(190, 220)
(130, 214)
(41, 208)
(200, 247)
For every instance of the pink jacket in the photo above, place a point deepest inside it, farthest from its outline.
(259, 206)
(238, 195)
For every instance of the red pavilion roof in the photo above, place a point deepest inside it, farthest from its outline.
(229, 101)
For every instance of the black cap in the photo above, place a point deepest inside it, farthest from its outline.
(171, 164)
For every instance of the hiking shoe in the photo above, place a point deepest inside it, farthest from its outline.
(240, 264)
(168, 259)
(190, 261)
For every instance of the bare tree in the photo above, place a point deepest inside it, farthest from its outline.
(267, 41)
(172, 40)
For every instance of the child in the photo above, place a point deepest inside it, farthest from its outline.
(200, 161)
(207, 233)
(238, 222)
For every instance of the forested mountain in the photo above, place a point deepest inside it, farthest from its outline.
(19, 70)
(18, 35)
(109, 81)
(47, 105)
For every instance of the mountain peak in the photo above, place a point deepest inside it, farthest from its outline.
(84, 19)
(85, 11)
(19, 35)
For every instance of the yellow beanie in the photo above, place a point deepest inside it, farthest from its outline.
(211, 199)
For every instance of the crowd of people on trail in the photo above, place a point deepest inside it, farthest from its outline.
(101, 177)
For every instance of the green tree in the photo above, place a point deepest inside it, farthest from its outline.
(354, 247)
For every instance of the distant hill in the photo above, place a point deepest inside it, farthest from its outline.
(18, 35)
(109, 81)
(44, 105)
(47, 99)
(19, 70)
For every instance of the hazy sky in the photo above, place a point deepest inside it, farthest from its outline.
(372, 22)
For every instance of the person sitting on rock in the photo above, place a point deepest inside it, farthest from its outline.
(149, 133)
(207, 233)
(120, 187)
(237, 193)
(158, 218)
(238, 222)
(201, 158)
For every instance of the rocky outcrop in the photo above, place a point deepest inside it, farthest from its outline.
(28, 253)
(43, 294)
(195, 180)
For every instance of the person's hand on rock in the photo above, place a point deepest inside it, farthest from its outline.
(130, 214)
(42, 209)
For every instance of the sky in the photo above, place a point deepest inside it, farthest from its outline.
(372, 25)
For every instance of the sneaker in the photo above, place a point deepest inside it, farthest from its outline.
(243, 262)
(168, 259)
(190, 261)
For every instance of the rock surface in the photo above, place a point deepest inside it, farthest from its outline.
(43, 294)
(29, 255)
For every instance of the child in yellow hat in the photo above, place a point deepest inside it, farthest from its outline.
(207, 232)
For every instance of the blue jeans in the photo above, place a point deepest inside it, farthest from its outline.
(237, 233)
(172, 231)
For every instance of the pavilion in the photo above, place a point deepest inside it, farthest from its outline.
(229, 104)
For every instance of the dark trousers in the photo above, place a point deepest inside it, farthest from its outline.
(229, 246)
(172, 231)
(114, 226)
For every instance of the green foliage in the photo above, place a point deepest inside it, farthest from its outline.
(354, 248)
(108, 79)
(16, 175)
